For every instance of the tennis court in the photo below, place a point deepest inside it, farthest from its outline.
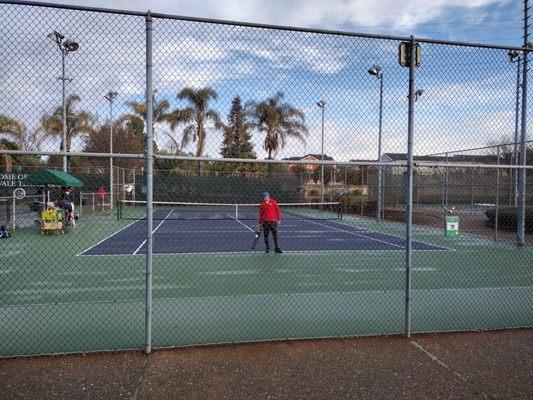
(212, 288)
(209, 228)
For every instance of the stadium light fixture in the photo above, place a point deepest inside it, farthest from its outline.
(56, 37)
(110, 96)
(71, 45)
(375, 70)
(64, 45)
(513, 54)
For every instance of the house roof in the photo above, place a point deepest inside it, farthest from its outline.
(316, 156)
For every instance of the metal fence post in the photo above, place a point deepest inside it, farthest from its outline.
(149, 184)
(520, 231)
(409, 199)
(514, 158)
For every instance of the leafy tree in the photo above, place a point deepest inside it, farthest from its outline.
(236, 143)
(237, 135)
(125, 140)
(328, 170)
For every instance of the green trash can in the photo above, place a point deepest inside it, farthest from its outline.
(451, 227)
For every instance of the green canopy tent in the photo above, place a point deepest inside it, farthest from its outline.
(49, 178)
(52, 178)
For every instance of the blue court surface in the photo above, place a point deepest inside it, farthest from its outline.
(296, 234)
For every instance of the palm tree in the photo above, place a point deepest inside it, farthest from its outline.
(13, 129)
(197, 114)
(160, 114)
(279, 121)
(79, 123)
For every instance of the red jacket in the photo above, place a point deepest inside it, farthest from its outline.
(269, 212)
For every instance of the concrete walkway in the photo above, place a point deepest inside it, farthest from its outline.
(486, 365)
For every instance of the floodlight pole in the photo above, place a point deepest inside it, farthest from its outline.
(322, 105)
(111, 97)
(514, 172)
(523, 132)
(65, 46)
(380, 77)
(64, 107)
(377, 72)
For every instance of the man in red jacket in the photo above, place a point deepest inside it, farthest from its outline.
(269, 220)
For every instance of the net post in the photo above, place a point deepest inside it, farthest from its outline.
(409, 199)
(149, 185)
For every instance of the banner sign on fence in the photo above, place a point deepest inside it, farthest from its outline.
(11, 180)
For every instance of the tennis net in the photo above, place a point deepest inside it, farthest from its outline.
(136, 210)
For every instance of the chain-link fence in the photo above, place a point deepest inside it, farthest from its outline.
(135, 151)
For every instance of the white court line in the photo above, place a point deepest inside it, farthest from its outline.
(235, 219)
(237, 230)
(356, 234)
(261, 254)
(156, 228)
(108, 237)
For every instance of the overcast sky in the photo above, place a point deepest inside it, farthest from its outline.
(469, 93)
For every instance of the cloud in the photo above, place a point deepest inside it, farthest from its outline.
(307, 13)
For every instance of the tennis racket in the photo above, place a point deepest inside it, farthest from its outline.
(257, 235)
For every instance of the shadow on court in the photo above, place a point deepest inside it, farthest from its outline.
(483, 365)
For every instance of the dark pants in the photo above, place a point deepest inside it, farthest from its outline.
(270, 226)
(67, 206)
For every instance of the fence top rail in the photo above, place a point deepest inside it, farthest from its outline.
(71, 154)
(422, 164)
(258, 25)
(266, 161)
(492, 146)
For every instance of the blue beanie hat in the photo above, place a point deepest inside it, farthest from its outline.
(265, 194)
